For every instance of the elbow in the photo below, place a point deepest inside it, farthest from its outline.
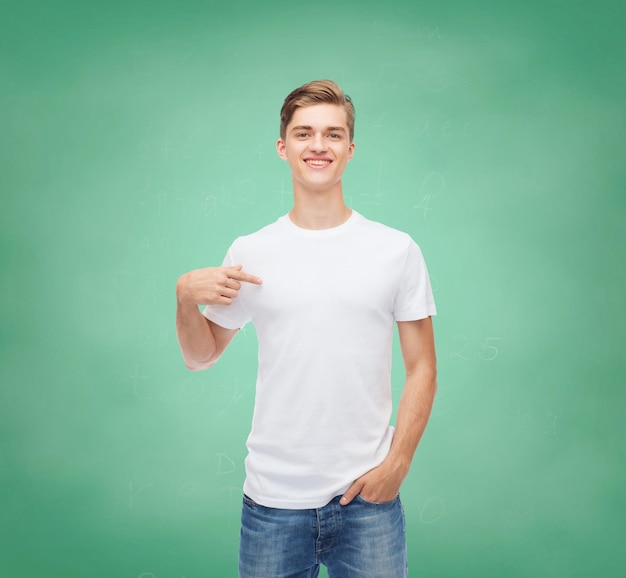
(198, 364)
(195, 366)
(425, 370)
(433, 379)
(424, 374)
(431, 369)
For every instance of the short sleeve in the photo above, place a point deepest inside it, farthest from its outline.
(414, 297)
(233, 316)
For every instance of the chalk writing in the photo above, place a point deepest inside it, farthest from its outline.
(285, 198)
(543, 423)
(187, 490)
(433, 509)
(465, 348)
(434, 80)
(259, 151)
(379, 124)
(489, 351)
(433, 184)
(191, 391)
(143, 62)
(460, 351)
(139, 382)
(428, 32)
(242, 193)
(210, 205)
(133, 495)
(234, 501)
(225, 465)
(235, 398)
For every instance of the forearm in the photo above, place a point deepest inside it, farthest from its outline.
(413, 414)
(196, 340)
(202, 341)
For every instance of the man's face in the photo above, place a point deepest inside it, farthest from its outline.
(317, 147)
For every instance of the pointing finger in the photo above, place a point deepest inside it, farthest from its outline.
(237, 273)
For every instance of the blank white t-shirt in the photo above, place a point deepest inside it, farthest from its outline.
(324, 318)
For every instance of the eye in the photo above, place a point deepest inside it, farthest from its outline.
(302, 134)
(334, 136)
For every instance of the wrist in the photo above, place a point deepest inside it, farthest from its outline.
(398, 464)
(181, 292)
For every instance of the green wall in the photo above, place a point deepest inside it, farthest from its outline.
(137, 140)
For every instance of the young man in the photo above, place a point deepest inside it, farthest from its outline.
(324, 287)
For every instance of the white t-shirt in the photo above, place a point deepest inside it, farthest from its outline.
(324, 318)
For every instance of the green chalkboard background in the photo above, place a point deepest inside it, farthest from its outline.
(137, 140)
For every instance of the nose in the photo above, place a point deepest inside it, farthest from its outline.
(317, 142)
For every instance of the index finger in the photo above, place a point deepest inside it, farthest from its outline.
(351, 492)
(236, 273)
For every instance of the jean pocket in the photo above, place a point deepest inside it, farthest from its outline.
(376, 504)
(248, 501)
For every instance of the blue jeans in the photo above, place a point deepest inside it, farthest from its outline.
(360, 540)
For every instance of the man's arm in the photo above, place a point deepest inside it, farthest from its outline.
(418, 352)
(201, 341)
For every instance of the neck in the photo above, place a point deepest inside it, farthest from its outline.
(320, 210)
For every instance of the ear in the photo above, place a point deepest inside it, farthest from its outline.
(281, 149)
(351, 151)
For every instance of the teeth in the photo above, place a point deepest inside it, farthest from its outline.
(318, 163)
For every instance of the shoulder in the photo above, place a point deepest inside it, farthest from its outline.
(380, 231)
(266, 233)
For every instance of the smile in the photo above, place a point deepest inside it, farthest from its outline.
(318, 163)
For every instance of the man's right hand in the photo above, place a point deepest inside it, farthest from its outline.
(212, 285)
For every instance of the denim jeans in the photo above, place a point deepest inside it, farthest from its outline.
(360, 540)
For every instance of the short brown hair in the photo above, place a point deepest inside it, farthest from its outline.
(316, 92)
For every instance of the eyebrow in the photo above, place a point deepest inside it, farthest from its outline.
(329, 128)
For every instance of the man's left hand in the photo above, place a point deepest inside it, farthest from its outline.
(380, 484)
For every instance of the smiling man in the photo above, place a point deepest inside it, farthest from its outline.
(324, 287)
